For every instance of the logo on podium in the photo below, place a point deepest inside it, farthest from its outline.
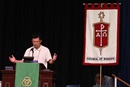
(26, 81)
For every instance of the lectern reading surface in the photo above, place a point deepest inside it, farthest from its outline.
(28, 59)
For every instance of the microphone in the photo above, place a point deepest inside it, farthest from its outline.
(32, 49)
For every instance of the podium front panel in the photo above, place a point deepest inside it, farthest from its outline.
(46, 78)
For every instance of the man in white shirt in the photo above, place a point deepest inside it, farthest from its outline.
(40, 53)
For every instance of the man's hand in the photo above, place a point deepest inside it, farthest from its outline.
(54, 57)
(12, 59)
(51, 61)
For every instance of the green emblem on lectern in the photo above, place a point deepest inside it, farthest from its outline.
(26, 81)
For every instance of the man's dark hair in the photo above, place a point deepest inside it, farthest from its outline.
(37, 35)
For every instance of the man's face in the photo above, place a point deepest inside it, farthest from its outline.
(36, 42)
(98, 81)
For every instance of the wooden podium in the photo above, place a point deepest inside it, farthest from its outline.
(46, 78)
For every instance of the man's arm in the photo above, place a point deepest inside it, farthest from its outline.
(13, 59)
(110, 83)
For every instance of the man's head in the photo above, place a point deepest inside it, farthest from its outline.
(36, 40)
(97, 78)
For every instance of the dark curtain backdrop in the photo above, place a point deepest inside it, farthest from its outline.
(123, 70)
(61, 24)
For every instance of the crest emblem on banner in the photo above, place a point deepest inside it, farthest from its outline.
(101, 33)
(27, 81)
